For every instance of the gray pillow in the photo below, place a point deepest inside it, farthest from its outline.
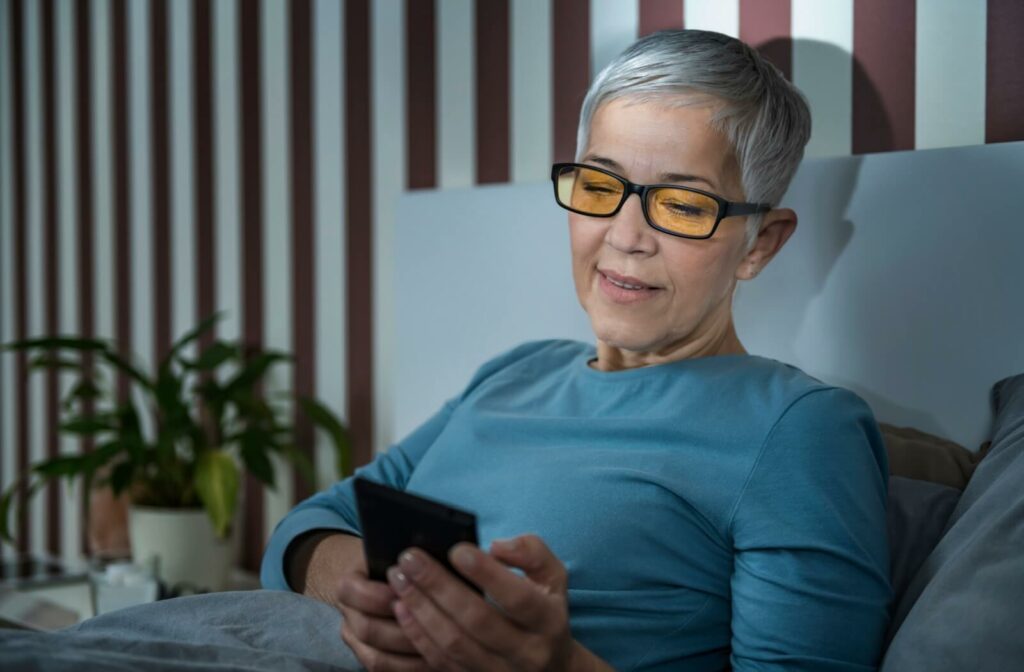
(962, 610)
(917, 515)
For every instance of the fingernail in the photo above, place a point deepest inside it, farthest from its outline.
(506, 544)
(401, 612)
(411, 564)
(464, 557)
(398, 580)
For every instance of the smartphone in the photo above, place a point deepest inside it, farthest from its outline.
(393, 520)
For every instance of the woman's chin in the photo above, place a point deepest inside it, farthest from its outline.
(618, 333)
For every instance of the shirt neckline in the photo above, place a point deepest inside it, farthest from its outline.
(590, 352)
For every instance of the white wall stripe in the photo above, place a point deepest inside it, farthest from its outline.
(613, 27)
(227, 191)
(228, 239)
(329, 218)
(456, 91)
(183, 256)
(530, 84)
(949, 107)
(71, 523)
(7, 420)
(388, 151)
(722, 16)
(141, 190)
(277, 279)
(102, 163)
(823, 70)
(35, 266)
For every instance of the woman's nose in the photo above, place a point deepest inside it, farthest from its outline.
(628, 231)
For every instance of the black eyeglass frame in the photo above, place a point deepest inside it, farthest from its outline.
(725, 208)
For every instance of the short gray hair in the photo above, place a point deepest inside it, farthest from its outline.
(765, 118)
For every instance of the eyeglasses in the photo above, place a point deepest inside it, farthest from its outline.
(670, 208)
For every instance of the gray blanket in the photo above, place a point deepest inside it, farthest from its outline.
(259, 630)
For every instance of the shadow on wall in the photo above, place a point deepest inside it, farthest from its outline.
(825, 227)
(901, 279)
(825, 222)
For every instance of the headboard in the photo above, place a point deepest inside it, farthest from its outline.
(904, 282)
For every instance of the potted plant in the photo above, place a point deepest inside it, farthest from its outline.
(179, 454)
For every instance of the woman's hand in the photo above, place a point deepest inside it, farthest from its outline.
(331, 567)
(369, 626)
(453, 628)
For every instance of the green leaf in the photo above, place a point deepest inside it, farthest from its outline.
(121, 477)
(216, 482)
(325, 419)
(123, 365)
(300, 462)
(5, 505)
(85, 388)
(8, 499)
(180, 344)
(88, 425)
(58, 343)
(65, 465)
(213, 356)
(100, 456)
(48, 361)
(254, 455)
(253, 370)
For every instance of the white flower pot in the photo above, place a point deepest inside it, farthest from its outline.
(181, 546)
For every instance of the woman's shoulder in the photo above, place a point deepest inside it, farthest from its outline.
(791, 388)
(545, 349)
(540, 354)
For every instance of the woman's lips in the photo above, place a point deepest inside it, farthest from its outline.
(621, 294)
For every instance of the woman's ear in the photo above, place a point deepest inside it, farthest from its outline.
(778, 225)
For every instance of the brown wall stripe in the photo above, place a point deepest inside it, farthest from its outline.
(658, 15)
(251, 169)
(84, 186)
(420, 102)
(21, 399)
(203, 160)
(492, 91)
(884, 46)
(51, 263)
(765, 24)
(359, 231)
(570, 33)
(303, 246)
(1004, 83)
(122, 188)
(160, 175)
(202, 174)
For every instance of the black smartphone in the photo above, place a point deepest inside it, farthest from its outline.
(393, 520)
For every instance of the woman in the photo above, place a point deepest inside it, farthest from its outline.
(678, 503)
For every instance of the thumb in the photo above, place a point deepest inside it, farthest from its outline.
(529, 553)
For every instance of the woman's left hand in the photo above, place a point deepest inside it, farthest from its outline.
(455, 628)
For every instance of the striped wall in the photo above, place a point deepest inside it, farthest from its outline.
(160, 159)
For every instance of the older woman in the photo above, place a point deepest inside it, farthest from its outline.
(678, 503)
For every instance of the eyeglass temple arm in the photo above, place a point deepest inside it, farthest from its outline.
(734, 209)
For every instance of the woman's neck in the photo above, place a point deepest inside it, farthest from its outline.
(613, 358)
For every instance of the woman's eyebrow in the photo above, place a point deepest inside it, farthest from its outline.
(664, 177)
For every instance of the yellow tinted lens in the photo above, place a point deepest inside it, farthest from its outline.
(681, 211)
(589, 191)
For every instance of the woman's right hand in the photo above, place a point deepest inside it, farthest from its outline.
(369, 626)
(331, 567)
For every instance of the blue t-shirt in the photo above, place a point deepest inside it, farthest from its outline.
(711, 511)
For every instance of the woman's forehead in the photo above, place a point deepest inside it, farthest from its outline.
(651, 140)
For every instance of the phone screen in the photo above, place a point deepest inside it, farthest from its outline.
(393, 520)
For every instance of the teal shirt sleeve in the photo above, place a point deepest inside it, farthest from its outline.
(335, 508)
(810, 583)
